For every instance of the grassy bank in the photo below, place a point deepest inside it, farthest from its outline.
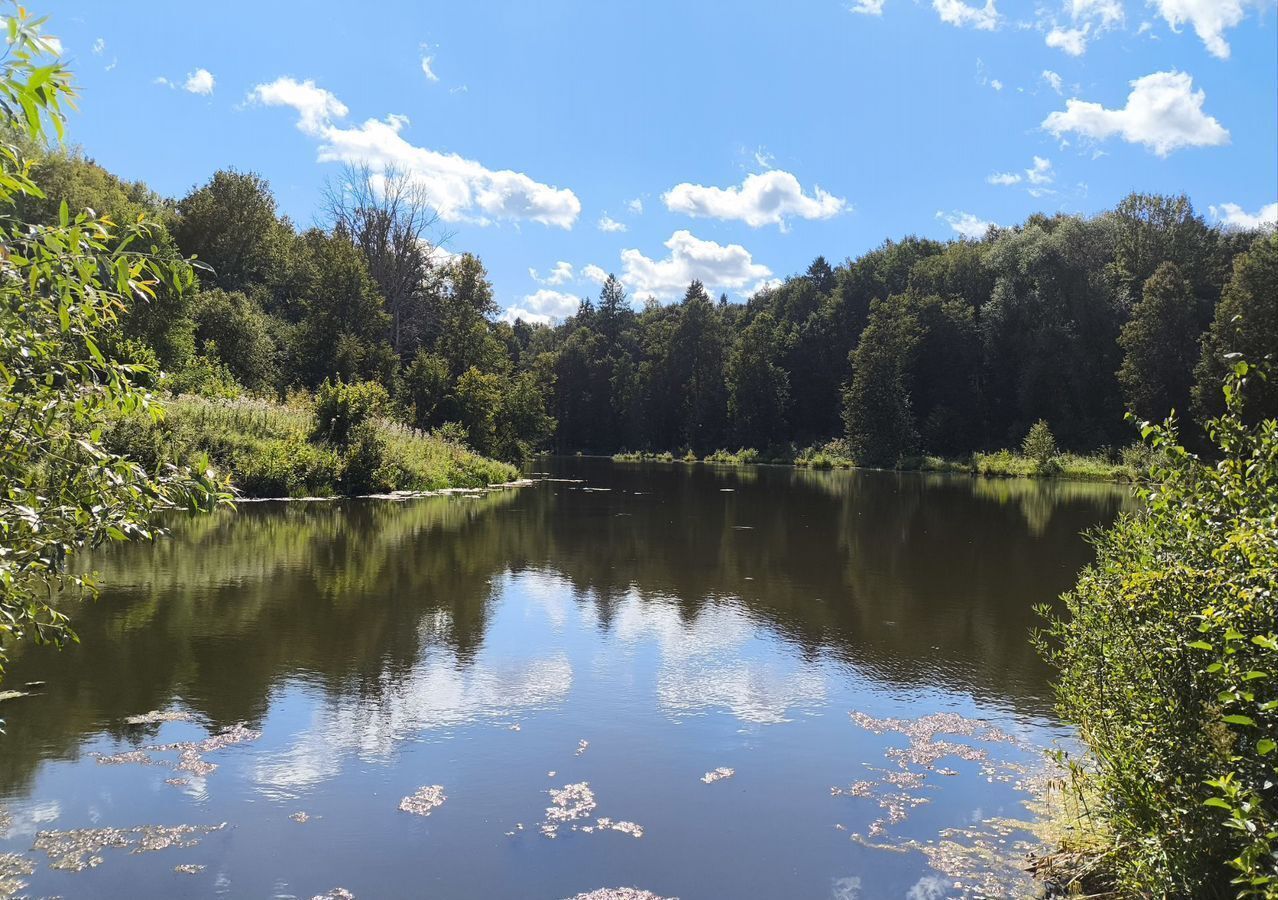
(270, 450)
(999, 464)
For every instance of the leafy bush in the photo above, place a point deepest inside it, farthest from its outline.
(1039, 444)
(340, 407)
(1168, 664)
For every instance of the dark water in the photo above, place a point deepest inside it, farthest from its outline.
(678, 619)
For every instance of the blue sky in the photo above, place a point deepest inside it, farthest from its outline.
(669, 140)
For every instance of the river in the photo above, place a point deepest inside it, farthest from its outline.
(704, 682)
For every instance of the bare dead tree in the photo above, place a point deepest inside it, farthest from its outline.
(388, 216)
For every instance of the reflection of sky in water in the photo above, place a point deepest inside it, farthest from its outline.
(716, 661)
(664, 672)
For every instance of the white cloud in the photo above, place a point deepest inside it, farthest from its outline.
(1053, 80)
(1071, 40)
(996, 84)
(54, 44)
(764, 198)
(314, 105)
(608, 223)
(163, 82)
(594, 273)
(1105, 12)
(98, 46)
(560, 274)
(959, 14)
(200, 81)
(543, 307)
(965, 224)
(1210, 18)
(460, 189)
(427, 70)
(717, 266)
(635, 206)
(1040, 173)
(868, 7)
(1163, 112)
(1234, 216)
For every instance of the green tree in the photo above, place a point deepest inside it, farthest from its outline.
(758, 387)
(342, 326)
(876, 408)
(1246, 323)
(1160, 346)
(230, 327)
(62, 290)
(230, 226)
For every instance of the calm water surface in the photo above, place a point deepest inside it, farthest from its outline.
(675, 619)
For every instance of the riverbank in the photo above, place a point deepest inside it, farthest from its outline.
(270, 450)
(999, 464)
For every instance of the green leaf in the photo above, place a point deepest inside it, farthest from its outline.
(1265, 746)
(1239, 720)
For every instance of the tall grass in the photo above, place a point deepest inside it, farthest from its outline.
(267, 449)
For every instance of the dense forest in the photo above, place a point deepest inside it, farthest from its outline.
(916, 347)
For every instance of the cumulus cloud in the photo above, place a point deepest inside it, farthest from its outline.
(1232, 215)
(594, 273)
(1209, 18)
(719, 267)
(427, 70)
(98, 46)
(1071, 40)
(1163, 112)
(959, 14)
(764, 198)
(200, 81)
(608, 223)
(460, 189)
(635, 206)
(1053, 80)
(544, 307)
(868, 7)
(965, 224)
(560, 274)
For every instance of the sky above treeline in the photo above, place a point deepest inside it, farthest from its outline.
(666, 141)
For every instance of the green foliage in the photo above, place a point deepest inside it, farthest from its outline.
(231, 328)
(269, 452)
(1160, 347)
(65, 289)
(1039, 445)
(1168, 664)
(340, 409)
(1246, 323)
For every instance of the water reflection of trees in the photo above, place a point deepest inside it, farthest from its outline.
(915, 580)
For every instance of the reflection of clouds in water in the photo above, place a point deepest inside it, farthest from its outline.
(846, 888)
(929, 887)
(437, 694)
(549, 592)
(714, 661)
(25, 821)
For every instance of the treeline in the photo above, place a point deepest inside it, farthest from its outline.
(366, 298)
(918, 347)
(930, 347)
